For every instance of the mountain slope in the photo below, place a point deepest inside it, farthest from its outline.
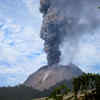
(48, 76)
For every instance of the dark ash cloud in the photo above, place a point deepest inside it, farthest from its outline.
(64, 22)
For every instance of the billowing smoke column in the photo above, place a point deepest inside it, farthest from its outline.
(66, 20)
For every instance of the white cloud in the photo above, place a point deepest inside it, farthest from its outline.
(12, 70)
(9, 54)
(11, 26)
(1, 36)
(20, 45)
(22, 48)
(88, 54)
(26, 42)
(33, 6)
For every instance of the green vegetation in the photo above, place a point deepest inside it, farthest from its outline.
(84, 86)
(18, 93)
(86, 82)
(59, 92)
(98, 7)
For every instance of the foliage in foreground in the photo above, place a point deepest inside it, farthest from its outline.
(86, 82)
(81, 83)
(60, 90)
(18, 93)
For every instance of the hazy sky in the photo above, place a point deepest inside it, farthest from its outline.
(21, 49)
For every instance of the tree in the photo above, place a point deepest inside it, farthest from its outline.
(59, 92)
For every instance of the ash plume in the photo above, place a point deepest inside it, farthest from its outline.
(64, 22)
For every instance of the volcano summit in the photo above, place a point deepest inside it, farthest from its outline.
(48, 77)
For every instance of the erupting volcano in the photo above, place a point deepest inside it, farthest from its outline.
(64, 23)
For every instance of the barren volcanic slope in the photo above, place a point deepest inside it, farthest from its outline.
(47, 77)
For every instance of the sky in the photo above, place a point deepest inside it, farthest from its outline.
(21, 49)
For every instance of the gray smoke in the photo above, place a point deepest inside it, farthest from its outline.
(64, 22)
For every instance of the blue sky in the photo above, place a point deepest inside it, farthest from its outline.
(21, 49)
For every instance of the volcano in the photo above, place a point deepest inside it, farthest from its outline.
(49, 76)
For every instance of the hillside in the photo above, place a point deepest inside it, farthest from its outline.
(85, 87)
(70, 96)
(47, 77)
(81, 89)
